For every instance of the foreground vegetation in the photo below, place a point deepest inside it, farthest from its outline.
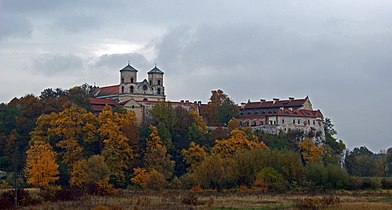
(231, 199)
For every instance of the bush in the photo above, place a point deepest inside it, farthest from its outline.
(274, 180)
(317, 202)
(371, 182)
(154, 180)
(326, 177)
(24, 199)
(355, 183)
(386, 182)
(68, 193)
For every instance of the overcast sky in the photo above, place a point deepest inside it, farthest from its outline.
(339, 53)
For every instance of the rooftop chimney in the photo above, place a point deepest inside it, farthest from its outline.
(187, 101)
(182, 101)
(262, 99)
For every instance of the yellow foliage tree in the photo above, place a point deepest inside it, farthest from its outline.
(310, 151)
(41, 168)
(140, 176)
(156, 156)
(79, 174)
(194, 155)
(117, 151)
(66, 131)
(236, 142)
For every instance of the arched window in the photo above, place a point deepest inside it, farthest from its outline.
(122, 80)
(159, 82)
(131, 89)
(150, 82)
(122, 89)
(159, 90)
(131, 80)
(145, 99)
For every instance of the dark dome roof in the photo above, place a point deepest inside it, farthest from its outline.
(128, 68)
(155, 70)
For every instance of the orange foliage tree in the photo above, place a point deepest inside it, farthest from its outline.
(155, 156)
(194, 155)
(310, 151)
(236, 142)
(41, 168)
(117, 151)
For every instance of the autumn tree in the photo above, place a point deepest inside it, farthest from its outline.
(310, 151)
(79, 174)
(41, 168)
(194, 155)
(117, 151)
(97, 168)
(216, 172)
(220, 109)
(236, 142)
(155, 156)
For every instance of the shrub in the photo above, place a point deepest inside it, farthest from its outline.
(355, 183)
(24, 199)
(317, 202)
(154, 180)
(192, 199)
(386, 182)
(68, 193)
(274, 180)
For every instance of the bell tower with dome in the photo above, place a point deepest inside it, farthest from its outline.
(131, 89)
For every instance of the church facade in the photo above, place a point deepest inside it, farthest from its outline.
(134, 95)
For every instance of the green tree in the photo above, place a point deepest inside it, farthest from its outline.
(361, 162)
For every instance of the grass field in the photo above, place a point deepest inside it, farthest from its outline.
(168, 199)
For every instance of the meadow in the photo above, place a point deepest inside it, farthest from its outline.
(177, 199)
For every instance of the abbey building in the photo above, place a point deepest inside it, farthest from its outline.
(269, 116)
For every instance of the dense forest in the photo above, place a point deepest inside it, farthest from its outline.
(55, 142)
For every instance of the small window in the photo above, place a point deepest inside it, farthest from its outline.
(293, 121)
(133, 106)
(282, 121)
(314, 122)
(122, 89)
(145, 99)
(159, 82)
(150, 82)
(131, 80)
(159, 90)
(131, 89)
(122, 80)
(299, 122)
(144, 87)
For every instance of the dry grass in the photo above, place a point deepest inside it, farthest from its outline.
(169, 199)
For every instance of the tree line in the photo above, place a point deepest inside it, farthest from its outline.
(55, 141)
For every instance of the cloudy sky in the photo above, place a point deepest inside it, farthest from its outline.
(339, 53)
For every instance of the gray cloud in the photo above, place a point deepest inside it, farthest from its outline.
(57, 64)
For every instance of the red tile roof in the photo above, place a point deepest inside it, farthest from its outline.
(105, 91)
(274, 104)
(101, 101)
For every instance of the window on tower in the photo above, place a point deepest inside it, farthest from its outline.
(131, 80)
(159, 82)
(131, 89)
(122, 80)
(159, 90)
